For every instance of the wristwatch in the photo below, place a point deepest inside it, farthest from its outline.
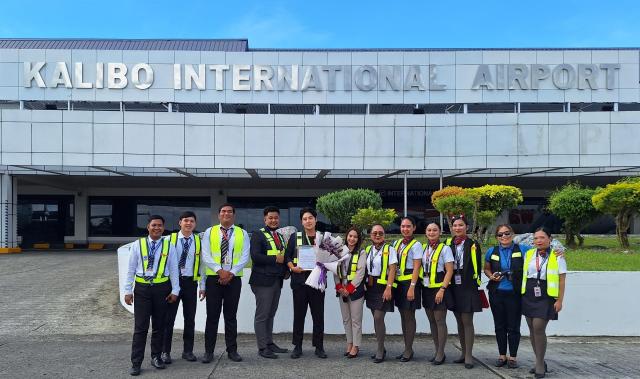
(412, 284)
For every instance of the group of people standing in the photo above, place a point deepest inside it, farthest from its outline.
(439, 275)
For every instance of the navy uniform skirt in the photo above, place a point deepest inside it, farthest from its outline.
(429, 299)
(538, 307)
(466, 298)
(400, 295)
(373, 298)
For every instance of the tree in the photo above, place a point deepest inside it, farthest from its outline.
(452, 200)
(621, 200)
(573, 204)
(340, 206)
(365, 218)
(489, 202)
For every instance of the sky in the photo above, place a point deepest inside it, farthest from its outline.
(336, 24)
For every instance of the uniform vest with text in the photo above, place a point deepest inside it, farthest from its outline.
(515, 267)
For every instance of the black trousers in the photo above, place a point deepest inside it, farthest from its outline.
(506, 307)
(303, 297)
(189, 298)
(225, 299)
(149, 302)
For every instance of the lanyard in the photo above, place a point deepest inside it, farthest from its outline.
(153, 247)
(427, 254)
(373, 257)
(224, 233)
(540, 265)
(507, 258)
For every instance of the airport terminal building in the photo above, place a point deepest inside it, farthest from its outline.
(98, 134)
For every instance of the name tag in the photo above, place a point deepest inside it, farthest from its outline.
(537, 292)
(457, 279)
(148, 273)
(227, 259)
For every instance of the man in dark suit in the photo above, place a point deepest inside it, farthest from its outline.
(267, 274)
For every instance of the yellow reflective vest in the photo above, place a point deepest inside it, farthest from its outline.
(196, 257)
(385, 264)
(160, 277)
(214, 246)
(553, 275)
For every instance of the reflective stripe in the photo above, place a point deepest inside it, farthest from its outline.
(434, 266)
(274, 249)
(553, 278)
(354, 267)
(516, 255)
(215, 247)
(474, 260)
(495, 257)
(402, 277)
(196, 260)
(144, 253)
(298, 243)
(385, 263)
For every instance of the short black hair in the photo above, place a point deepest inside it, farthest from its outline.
(411, 220)
(155, 217)
(308, 210)
(227, 205)
(270, 208)
(436, 223)
(544, 230)
(187, 214)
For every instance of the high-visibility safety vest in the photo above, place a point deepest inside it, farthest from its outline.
(273, 249)
(160, 277)
(404, 273)
(553, 275)
(385, 264)
(353, 267)
(474, 260)
(214, 246)
(196, 257)
(433, 279)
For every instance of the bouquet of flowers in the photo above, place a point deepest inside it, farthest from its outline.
(330, 252)
(287, 231)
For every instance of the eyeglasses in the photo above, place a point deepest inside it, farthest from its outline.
(504, 234)
(377, 233)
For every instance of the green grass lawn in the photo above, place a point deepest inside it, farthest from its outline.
(599, 253)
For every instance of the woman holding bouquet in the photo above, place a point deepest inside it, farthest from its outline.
(382, 260)
(407, 294)
(466, 280)
(305, 296)
(437, 267)
(350, 291)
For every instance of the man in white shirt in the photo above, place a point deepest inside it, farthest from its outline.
(225, 253)
(186, 248)
(152, 266)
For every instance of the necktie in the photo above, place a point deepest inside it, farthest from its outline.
(276, 239)
(185, 251)
(152, 253)
(224, 245)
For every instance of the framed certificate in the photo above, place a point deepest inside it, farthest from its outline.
(306, 257)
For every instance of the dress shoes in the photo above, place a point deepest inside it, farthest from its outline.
(267, 353)
(276, 349)
(234, 356)
(157, 363)
(135, 370)
(188, 356)
(166, 358)
(207, 358)
(296, 353)
(320, 353)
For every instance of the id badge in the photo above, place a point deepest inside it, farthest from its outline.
(227, 260)
(183, 271)
(148, 273)
(536, 291)
(457, 279)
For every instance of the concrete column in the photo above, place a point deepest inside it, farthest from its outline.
(218, 197)
(8, 214)
(81, 215)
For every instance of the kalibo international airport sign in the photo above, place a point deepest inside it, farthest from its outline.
(244, 77)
